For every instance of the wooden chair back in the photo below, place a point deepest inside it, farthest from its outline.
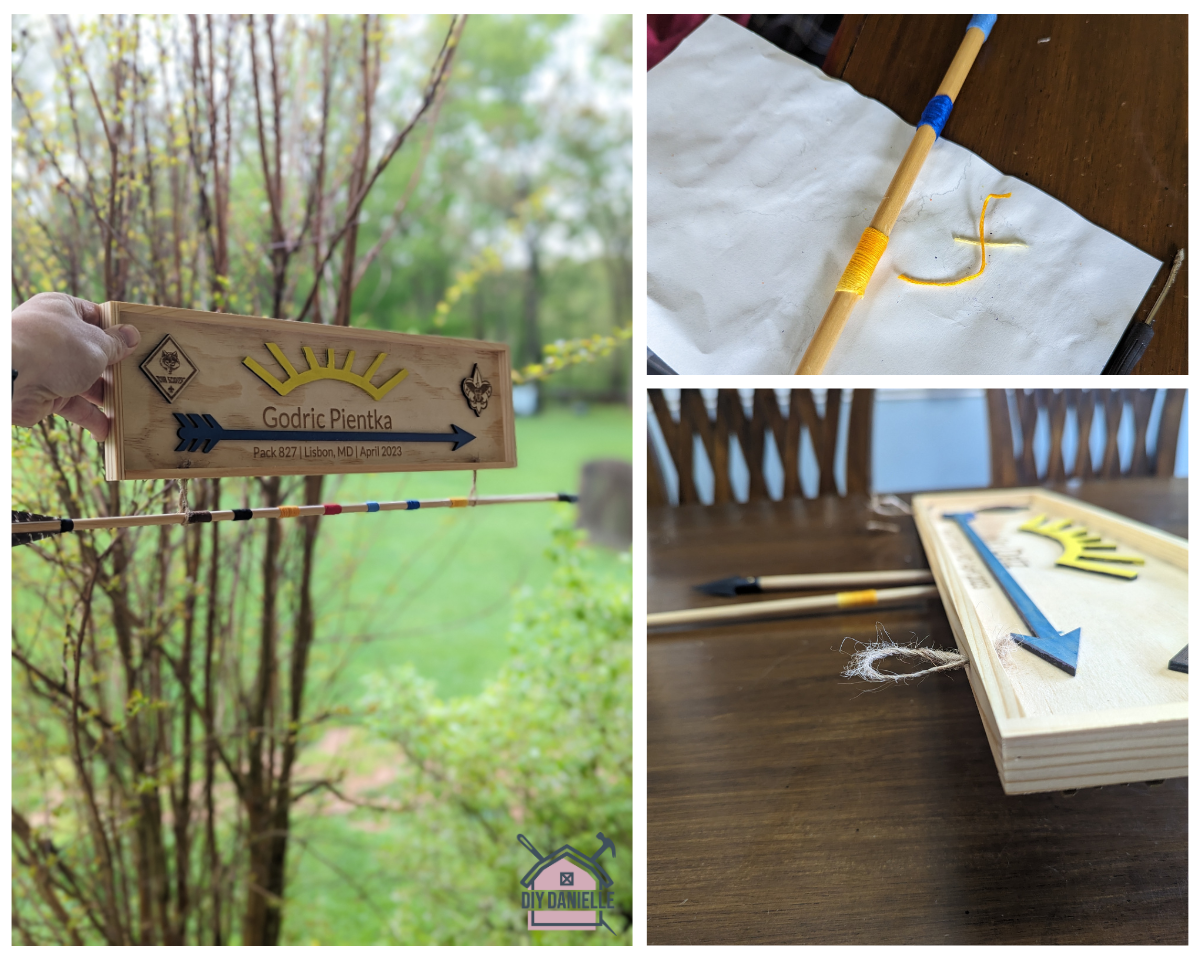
(1012, 469)
(751, 434)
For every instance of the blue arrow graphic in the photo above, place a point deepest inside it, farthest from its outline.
(1060, 649)
(195, 429)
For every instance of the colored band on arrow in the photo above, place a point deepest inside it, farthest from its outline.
(1060, 649)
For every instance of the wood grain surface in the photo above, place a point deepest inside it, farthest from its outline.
(318, 417)
(788, 805)
(1096, 117)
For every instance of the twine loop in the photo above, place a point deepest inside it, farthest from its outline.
(863, 660)
(183, 500)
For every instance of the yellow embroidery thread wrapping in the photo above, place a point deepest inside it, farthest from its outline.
(856, 598)
(858, 271)
(982, 252)
(286, 512)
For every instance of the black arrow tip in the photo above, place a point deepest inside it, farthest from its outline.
(730, 587)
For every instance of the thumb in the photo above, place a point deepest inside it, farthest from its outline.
(118, 342)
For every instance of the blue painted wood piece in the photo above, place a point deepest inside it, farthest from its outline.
(1179, 661)
(195, 429)
(1060, 649)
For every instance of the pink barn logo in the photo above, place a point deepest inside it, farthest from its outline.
(566, 889)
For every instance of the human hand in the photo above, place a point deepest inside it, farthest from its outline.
(60, 354)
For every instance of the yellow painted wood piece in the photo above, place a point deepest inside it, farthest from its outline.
(1083, 551)
(330, 371)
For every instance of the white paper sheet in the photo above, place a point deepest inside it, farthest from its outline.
(763, 173)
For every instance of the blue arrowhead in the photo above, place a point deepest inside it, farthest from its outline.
(1060, 649)
(461, 437)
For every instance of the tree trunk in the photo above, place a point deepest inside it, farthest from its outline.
(532, 341)
(258, 781)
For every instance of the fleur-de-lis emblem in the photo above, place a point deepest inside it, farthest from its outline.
(477, 391)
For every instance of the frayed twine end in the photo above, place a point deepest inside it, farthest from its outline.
(888, 505)
(862, 662)
(1005, 645)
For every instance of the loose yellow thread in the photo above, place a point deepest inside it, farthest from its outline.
(992, 243)
(858, 271)
(856, 598)
(458, 502)
(286, 512)
(982, 252)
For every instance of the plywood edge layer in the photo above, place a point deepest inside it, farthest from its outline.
(1129, 770)
(1094, 724)
(1100, 779)
(1175, 749)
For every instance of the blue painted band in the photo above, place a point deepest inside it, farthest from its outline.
(984, 21)
(936, 113)
(414, 504)
(372, 506)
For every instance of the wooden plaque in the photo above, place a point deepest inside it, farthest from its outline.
(219, 395)
(1123, 716)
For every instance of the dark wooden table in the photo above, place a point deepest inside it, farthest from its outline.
(1096, 117)
(788, 805)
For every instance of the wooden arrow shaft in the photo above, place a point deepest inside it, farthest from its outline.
(274, 513)
(830, 329)
(773, 608)
(863, 578)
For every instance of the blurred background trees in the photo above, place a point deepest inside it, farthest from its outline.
(173, 690)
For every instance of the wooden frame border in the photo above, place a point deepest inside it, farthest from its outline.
(1084, 749)
(112, 313)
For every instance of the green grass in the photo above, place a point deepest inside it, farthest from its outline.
(432, 588)
(435, 588)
